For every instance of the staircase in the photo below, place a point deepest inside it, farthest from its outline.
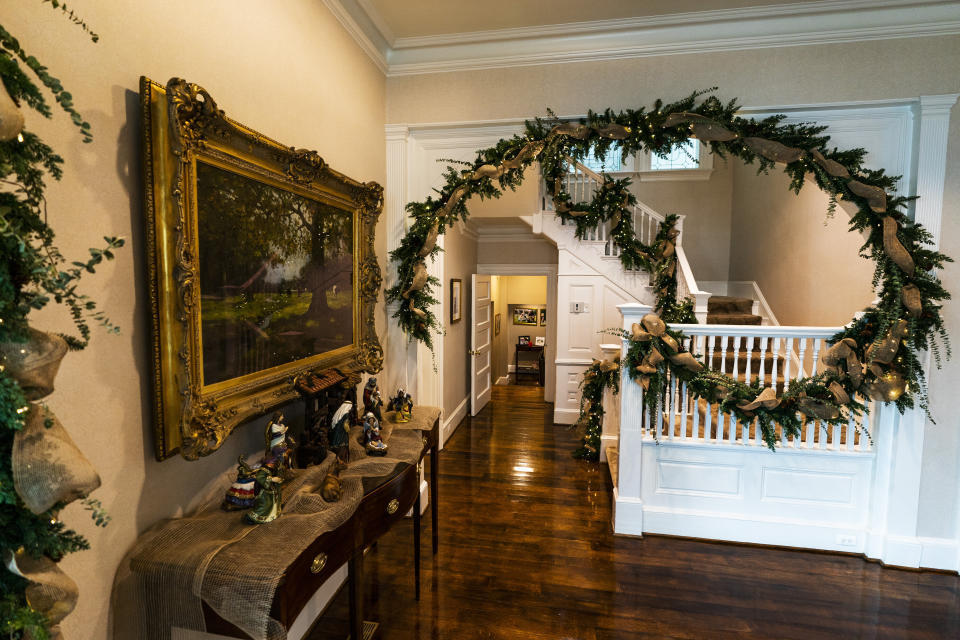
(732, 310)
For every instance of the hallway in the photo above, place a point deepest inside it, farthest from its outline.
(526, 551)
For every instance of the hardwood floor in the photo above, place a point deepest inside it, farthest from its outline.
(526, 551)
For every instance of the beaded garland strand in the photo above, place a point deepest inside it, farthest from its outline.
(875, 354)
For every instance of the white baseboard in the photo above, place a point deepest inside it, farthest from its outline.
(451, 423)
(633, 518)
(627, 515)
(503, 380)
(565, 416)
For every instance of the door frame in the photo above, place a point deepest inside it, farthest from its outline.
(550, 271)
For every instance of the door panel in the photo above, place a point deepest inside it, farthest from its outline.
(480, 337)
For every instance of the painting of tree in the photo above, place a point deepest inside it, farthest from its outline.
(276, 274)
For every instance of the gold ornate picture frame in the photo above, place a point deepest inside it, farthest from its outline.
(261, 266)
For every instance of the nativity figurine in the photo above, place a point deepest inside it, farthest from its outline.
(371, 399)
(242, 492)
(267, 505)
(373, 442)
(340, 430)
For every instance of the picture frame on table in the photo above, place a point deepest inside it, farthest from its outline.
(456, 300)
(540, 341)
(523, 341)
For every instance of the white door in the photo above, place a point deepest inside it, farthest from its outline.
(480, 337)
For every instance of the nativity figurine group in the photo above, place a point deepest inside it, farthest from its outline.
(257, 488)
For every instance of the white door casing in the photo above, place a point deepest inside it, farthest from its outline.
(480, 344)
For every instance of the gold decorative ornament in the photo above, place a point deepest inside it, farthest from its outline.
(193, 153)
(392, 506)
(318, 563)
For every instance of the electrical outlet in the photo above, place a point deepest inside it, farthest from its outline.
(846, 540)
(576, 307)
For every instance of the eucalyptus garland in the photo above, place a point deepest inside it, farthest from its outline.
(598, 377)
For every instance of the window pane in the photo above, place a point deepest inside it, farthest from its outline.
(610, 163)
(683, 156)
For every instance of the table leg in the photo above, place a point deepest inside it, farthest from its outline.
(354, 580)
(434, 491)
(416, 544)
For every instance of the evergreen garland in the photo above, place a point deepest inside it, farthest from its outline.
(32, 274)
(885, 339)
(598, 377)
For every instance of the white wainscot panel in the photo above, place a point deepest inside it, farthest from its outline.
(692, 478)
(611, 318)
(788, 485)
(581, 337)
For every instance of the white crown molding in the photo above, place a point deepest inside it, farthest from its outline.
(366, 33)
(793, 24)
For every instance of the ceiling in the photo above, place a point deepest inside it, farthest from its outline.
(418, 18)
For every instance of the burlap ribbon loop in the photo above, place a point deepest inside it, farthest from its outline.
(832, 167)
(637, 334)
(653, 324)
(34, 364)
(773, 150)
(817, 409)
(613, 131)
(420, 277)
(487, 171)
(455, 197)
(767, 399)
(572, 129)
(894, 248)
(48, 468)
(912, 300)
(50, 591)
(431, 240)
(884, 351)
(845, 352)
(875, 196)
(686, 360)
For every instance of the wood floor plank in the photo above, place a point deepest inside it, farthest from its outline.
(526, 552)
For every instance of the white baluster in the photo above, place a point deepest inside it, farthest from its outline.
(694, 401)
(708, 417)
(672, 405)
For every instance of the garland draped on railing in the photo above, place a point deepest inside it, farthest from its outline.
(598, 377)
(875, 354)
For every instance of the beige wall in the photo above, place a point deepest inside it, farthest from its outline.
(529, 251)
(874, 70)
(520, 291)
(807, 265)
(706, 205)
(460, 261)
(290, 72)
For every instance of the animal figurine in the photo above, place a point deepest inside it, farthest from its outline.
(267, 505)
(331, 489)
(373, 443)
(340, 430)
(280, 452)
(242, 492)
(371, 399)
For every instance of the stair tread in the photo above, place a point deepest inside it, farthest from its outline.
(729, 304)
(613, 462)
(733, 318)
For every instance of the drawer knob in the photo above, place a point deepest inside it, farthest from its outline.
(318, 563)
(392, 506)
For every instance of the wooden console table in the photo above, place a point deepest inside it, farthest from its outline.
(528, 370)
(386, 499)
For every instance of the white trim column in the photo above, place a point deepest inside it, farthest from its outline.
(934, 112)
(628, 506)
(400, 352)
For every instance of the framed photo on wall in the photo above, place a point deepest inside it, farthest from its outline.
(543, 317)
(525, 316)
(496, 325)
(456, 300)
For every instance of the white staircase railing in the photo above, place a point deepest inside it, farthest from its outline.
(582, 183)
(775, 354)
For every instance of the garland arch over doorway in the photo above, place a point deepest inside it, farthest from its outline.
(876, 355)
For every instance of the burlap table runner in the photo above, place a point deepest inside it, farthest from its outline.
(213, 556)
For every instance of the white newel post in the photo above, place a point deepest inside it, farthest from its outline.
(628, 507)
(400, 353)
(610, 432)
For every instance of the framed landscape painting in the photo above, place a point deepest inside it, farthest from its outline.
(261, 266)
